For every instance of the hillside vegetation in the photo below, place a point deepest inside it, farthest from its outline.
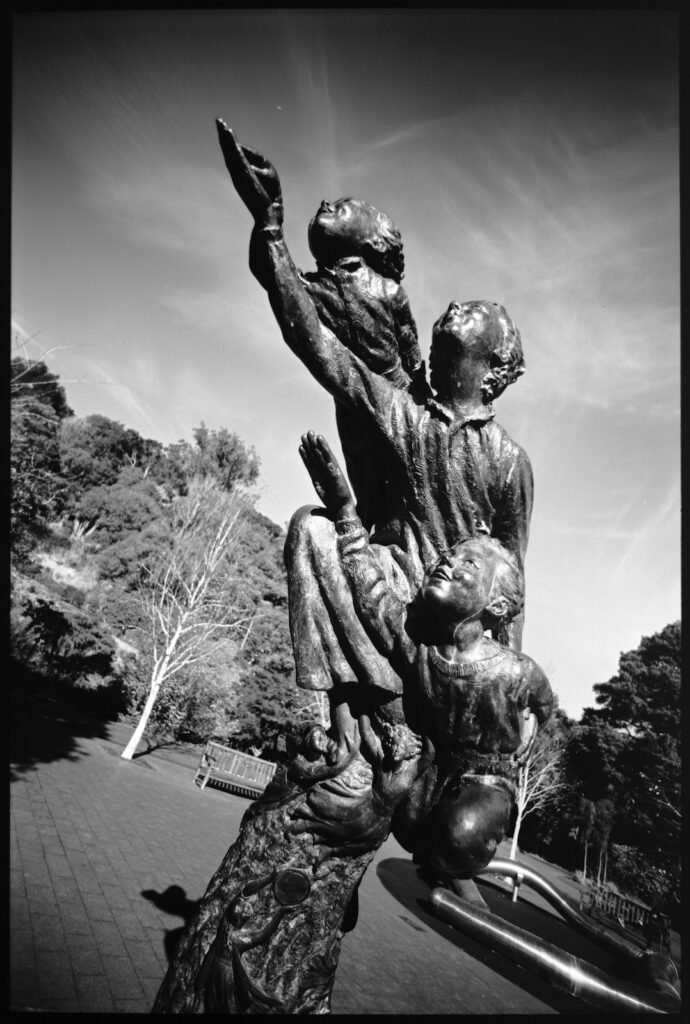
(94, 508)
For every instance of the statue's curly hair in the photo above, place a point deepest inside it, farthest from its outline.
(507, 360)
(508, 582)
(385, 255)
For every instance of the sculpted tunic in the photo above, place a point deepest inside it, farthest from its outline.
(370, 314)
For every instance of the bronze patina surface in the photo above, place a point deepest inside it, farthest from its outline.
(406, 603)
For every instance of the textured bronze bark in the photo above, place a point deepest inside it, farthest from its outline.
(267, 933)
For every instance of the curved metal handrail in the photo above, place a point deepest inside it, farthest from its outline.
(664, 968)
(562, 969)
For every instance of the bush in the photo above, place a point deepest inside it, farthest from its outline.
(649, 876)
(58, 641)
(191, 707)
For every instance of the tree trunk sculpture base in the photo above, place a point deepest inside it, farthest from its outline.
(266, 935)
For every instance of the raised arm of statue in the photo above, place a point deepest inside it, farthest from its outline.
(254, 178)
(328, 478)
(342, 373)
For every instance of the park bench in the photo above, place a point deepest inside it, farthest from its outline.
(625, 910)
(232, 770)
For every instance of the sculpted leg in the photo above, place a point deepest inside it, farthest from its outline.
(330, 643)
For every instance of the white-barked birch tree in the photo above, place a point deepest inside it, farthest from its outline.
(189, 599)
(540, 780)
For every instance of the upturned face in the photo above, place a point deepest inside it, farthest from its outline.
(459, 585)
(464, 331)
(340, 229)
(318, 740)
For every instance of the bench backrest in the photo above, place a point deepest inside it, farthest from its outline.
(243, 766)
(623, 907)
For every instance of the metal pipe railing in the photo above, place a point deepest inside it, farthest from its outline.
(567, 972)
(658, 969)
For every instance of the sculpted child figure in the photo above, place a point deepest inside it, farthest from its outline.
(478, 701)
(358, 295)
(451, 469)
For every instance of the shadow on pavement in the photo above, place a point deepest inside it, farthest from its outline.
(400, 878)
(44, 729)
(174, 902)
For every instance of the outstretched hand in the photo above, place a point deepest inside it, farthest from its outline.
(327, 476)
(255, 179)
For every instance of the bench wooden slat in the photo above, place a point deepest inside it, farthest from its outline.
(234, 770)
(624, 909)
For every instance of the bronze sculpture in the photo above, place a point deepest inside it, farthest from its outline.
(358, 295)
(420, 741)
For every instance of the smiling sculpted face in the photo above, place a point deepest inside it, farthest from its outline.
(459, 585)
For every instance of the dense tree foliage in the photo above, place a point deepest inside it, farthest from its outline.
(215, 453)
(94, 506)
(620, 815)
(94, 450)
(38, 405)
(31, 378)
(644, 697)
(37, 488)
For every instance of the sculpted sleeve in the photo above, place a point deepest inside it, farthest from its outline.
(406, 332)
(337, 369)
(381, 611)
(512, 521)
(511, 524)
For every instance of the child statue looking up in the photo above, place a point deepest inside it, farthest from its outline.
(476, 700)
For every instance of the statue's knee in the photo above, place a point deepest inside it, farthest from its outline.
(308, 525)
(466, 830)
(300, 520)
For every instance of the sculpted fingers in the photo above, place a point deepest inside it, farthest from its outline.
(244, 166)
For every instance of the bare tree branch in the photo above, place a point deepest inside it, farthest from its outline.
(189, 601)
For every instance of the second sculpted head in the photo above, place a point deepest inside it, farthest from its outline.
(351, 227)
(475, 341)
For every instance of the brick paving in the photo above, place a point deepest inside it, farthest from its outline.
(107, 858)
(89, 834)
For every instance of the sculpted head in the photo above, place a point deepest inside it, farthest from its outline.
(315, 742)
(475, 337)
(351, 227)
(479, 578)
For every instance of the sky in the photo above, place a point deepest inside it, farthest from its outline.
(527, 157)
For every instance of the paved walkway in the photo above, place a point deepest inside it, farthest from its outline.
(108, 858)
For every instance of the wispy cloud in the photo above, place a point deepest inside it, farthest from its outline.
(158, 204)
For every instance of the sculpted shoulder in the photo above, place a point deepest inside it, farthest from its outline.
(533, 685)
(501, 442)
